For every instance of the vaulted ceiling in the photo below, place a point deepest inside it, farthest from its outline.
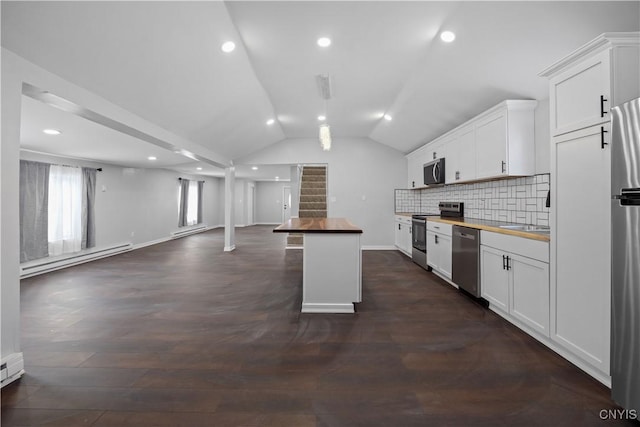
(162, 61)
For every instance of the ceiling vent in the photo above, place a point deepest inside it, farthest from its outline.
(324, 85)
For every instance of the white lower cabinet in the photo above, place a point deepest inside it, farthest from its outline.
(439, 247)
(514, 279)
(403, 234)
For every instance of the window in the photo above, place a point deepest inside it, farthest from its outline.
(64, 210)
(189, 202)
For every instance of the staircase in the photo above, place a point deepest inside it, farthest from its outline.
(313, 199)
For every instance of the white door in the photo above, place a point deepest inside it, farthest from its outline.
(286, 204)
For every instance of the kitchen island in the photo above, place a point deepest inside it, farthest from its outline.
(331, 263)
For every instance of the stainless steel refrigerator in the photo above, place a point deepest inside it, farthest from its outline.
(625, 245)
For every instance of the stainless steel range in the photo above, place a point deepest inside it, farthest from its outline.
(419, 230)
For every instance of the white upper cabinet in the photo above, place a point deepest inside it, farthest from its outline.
(587, 83)
(460, 162)
(415, 164)
(505, 142)
(497, 143)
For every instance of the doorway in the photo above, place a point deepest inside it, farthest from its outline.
(286, 203)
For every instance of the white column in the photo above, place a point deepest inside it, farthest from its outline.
(229, 209)
(10, 220)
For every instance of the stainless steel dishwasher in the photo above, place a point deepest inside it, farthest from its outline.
(465, 261)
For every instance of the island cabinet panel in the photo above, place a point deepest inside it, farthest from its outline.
(514, 279)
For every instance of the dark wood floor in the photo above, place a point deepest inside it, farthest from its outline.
(182, 334)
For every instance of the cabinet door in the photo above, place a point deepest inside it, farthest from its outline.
(398, 235)
(581, 266)
(530, 292)
(433, 254)
(491, 146)
(444, 249)
(414, 169)
(406, 238)
(575, 95)
(494, 278)
(466, 162)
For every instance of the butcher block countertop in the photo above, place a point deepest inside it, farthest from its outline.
(317, 225)
(494, 226)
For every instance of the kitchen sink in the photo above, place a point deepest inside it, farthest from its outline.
(523, 227)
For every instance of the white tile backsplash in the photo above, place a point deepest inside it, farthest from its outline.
(519, 200)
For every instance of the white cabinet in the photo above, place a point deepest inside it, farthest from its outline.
(497, 143)
(439, 247)
(460, 162)
(415, 167)
(403, 234)
(581, 249)
(514, 278)
(583, 88)
(505, 143)
(586, 84)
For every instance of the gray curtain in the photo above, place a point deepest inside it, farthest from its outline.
(88, 217)
(184, 200)
(200, 193)
(34, 218)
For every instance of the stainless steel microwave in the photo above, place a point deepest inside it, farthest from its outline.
(434, 172)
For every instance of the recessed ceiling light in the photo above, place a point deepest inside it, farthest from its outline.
(255, 168)
(152, 158)
(388, 117)
(52, 131)
(277, 178)
(199, 169)
(447, 36)
(228, 47)
(270, 122)
(324, 42)
(322, 118)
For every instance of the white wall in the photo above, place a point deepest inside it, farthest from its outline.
(362, 176)
(542, 137)
(15, 71)
(139, 205)
(269, 201)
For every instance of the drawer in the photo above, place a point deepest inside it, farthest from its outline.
(403, 219)
(439, 227)
(529, 248)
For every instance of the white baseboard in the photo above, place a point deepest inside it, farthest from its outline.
(12, 368)
(267, 223)
(379, 248)
(327, 308)
(229, 248)
(49, 264)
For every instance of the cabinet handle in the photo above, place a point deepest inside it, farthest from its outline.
(504, 166)
(413, 184)
(508, 262)
(436, 239)
(602, 132)
(602, 101)
(504, 262)
(399, 227)
(457, 175)
(434, 155)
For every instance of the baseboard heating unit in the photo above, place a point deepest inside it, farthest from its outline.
(182, 233)
(46, 264)
(11, 368)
